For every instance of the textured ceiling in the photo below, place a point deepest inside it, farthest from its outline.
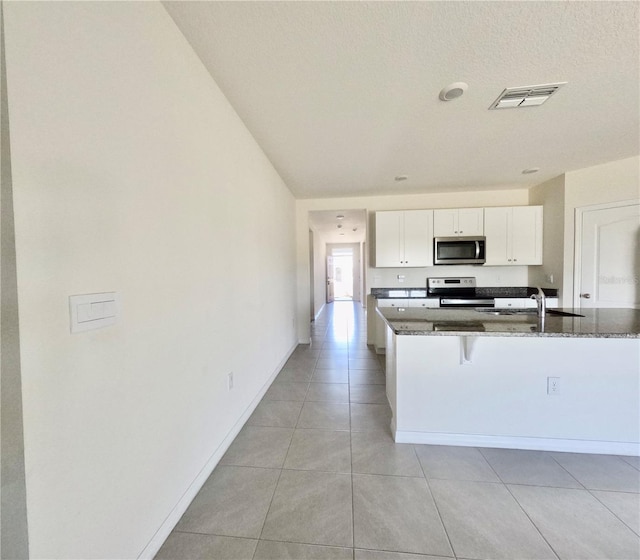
(353, 225)
(343, 96)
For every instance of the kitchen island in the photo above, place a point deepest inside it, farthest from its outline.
(511, 379)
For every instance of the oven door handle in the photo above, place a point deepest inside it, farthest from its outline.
(477, 249)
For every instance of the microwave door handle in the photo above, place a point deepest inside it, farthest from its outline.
(477, 249)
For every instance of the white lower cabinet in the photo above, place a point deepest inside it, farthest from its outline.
(522, 303)
(424, 302)
(514, 303)
(401, 305)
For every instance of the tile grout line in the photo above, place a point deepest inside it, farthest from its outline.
(506, 486)
(613, 512)
(353, 501)
(275, 488)
(531, 520)
(280, 470)
(582, 486)
(435, 502)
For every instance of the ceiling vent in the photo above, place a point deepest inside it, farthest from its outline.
(525, 96)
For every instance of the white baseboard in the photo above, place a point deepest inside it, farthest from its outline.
(156, 542)
(513, 442)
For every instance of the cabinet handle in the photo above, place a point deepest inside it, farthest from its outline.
(461, 231)
(585, 296)
(509, 260)
(515, 260)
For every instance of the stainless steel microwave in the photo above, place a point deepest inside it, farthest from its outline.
(459, 250)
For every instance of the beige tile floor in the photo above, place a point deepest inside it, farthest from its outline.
(315, 474)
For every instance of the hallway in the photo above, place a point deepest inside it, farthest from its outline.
(315, 474)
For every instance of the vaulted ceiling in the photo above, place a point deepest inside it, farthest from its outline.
(343, 96)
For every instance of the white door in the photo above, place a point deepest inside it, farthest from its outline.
(330, 295)
(608, 251)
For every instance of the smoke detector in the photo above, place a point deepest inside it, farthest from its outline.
(453, 91)
(525, 96)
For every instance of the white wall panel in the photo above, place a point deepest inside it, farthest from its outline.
(133, 174)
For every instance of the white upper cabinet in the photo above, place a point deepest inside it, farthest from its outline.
(404, 238)
(514, 235)
(458, 222)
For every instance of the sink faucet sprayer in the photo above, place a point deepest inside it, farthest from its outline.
(541, 301)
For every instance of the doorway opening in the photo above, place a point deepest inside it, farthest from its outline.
(337, 257)
(343, 288)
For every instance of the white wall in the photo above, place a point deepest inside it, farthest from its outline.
(14, 541)
(320, 272)
(610, 182)
(550, 195)
(414, 277)
(132, 173)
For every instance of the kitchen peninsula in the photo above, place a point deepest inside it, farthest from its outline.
(511, 379)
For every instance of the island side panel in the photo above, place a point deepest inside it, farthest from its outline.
(499, 398)
(390, 372)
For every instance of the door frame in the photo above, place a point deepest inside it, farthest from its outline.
(329, 275)
(577, 244)
(357, 268)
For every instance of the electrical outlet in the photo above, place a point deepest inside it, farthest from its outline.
(230, 380)
(553, 385)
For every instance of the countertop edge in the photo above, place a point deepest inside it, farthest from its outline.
(516, 334)
(632, 334)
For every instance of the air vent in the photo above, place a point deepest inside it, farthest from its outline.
(525, 96)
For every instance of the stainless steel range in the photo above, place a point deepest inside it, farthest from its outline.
(457, 292)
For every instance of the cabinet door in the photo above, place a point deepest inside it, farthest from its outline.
(496, 229)
(471, 221)
(424, 302)
(526, 232)
(511, 303)
(418, 238)
(393, 302)
(445, 223)
(388, 239)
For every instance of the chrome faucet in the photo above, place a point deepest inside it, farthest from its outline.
(541, 301)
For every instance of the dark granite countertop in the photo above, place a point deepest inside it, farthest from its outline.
(514, 292)
(495, 292)
(595, 323)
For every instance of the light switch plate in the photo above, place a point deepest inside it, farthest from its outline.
(93, 311)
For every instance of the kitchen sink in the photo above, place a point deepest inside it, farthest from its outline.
(562, 313)
(493, 311)
(527, 311)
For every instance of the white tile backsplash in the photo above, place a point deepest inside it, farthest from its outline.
(486, 276)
